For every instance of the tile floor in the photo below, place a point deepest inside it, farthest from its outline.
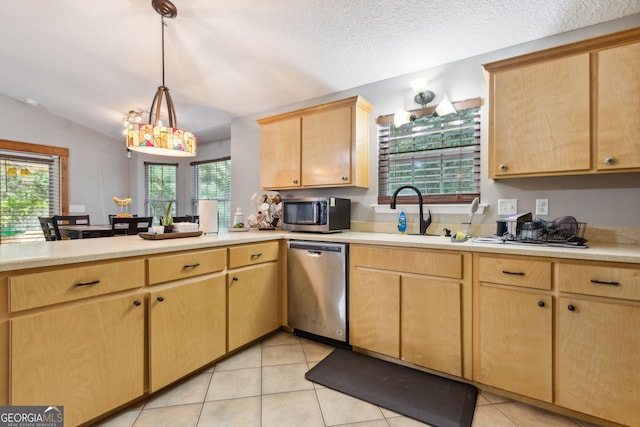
(264, 386)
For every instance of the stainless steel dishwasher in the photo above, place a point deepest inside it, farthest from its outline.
(317, 290)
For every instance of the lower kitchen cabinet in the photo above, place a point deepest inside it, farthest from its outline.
(515, 341)
(88, 357)
(187, 328)
(253, 303)
(599, 359)
(410, 305)
(514, 324)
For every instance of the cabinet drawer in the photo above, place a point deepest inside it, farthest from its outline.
(527, 273)
(431, 263)
(182, 265)
(240, 256)
(69, 284)
(599, 280)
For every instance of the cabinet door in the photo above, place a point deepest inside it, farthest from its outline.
(253, 303)
(374, 311)
(327, 142)
(541, 118)
(432, 324)
(187, 323)
(599, 358)
(618, 108)
(280, 154)
(88, 358)
(516, 332)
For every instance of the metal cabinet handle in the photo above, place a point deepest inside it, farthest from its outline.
(137, 303)
(541, 304)
(235, 278)
(602, 282)
(197, 264)
(295, 181)
(345, 178)
(160, 298)
(503, 167)
(609, 161)
(95, 282)
(517, 273)
(571, 307)
(256, 256)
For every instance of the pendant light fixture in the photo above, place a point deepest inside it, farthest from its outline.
(161, 134)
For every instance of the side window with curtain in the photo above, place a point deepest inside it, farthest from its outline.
(160, 189)
(438, 155)
(31, 186)
(212, 181)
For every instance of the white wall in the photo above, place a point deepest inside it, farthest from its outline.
(604, 200)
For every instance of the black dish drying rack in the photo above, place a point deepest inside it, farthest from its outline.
(565, 231)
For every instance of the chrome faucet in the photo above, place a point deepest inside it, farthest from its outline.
(424, 223)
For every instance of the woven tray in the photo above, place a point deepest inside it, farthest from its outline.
(163, 236)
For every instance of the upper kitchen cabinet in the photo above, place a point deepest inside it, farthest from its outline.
(322, 146)
(568, 110)
(618, 135)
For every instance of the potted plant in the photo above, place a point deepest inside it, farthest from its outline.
(167, 219)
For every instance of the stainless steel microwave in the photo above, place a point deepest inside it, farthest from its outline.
(316, 214)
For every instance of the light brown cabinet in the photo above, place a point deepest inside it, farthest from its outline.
(253, 290)
(514, 324)
(618, 130)
(598, 340)
(187, 323)
(567, 110)
(322, 146)
(89, 358)
(411, 305)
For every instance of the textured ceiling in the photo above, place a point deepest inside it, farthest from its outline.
(91, 61)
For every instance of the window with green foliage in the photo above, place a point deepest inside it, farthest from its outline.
(30, 187)
(438, 155)
(212, 181)
(160, 189)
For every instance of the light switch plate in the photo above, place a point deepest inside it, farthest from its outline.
(507, 206)
(76, 208)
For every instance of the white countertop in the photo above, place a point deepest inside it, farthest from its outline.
(41, 254)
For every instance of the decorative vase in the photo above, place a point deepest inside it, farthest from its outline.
(168, 228)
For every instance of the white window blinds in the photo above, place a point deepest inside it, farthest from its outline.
(212, 181)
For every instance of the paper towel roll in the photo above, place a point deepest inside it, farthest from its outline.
(208, 211)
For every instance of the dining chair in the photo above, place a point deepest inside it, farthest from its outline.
(51, 233)
(111, 216)
(131, 225)
(69, 220)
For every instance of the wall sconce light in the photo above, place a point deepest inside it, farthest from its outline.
(423, 96)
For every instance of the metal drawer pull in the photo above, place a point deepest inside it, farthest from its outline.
(160, 298)
(255, 256)
(541, 304)
(517, 273)
(235, 278)
(600, 282)
(137, 303)
(192, 265)
(571, 307)
(95, 282)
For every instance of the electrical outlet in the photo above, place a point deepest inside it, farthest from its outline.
(507, 206)
(542, 206)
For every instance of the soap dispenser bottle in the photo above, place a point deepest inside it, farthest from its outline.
(402, 222)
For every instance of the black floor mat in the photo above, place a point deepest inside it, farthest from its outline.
(419, 395)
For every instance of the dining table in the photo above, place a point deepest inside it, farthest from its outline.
(80, 231)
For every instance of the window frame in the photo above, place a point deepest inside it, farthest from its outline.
(22, 150)
(223, 220)
(385, 199)
(147, 199)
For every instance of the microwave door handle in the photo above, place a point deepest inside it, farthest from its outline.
(316, 213)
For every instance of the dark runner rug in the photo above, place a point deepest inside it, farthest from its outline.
(419, 395)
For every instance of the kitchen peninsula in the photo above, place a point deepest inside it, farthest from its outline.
(96, 324)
